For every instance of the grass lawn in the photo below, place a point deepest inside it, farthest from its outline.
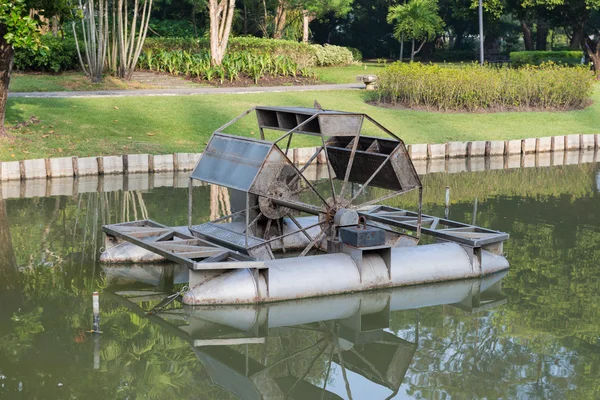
(67, 81)
(127, 125)
(346, 74)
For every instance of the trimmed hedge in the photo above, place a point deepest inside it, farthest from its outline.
(522, 58)
(474, 88)
(305, 55)
(332, 55)
(57, 55)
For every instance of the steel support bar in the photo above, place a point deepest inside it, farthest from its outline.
(445, 234)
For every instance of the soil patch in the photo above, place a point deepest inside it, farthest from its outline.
(489, 110)
(245, 81)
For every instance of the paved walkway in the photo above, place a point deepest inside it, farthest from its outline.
(187, 91)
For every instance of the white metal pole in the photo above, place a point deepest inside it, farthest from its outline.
(481, 32)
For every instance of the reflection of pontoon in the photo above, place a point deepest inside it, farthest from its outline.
(262, 252)
(352, 342)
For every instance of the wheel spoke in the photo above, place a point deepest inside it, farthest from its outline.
(313, 242)
(300, 228)
(349, 166)
(328, 169)
(267, 229)
(280, 230)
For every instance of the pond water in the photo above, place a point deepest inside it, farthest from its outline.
(534, 333)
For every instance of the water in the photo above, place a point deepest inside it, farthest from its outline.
(534, 333)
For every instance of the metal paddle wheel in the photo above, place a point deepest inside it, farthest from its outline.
(286, 211)
(297, 231)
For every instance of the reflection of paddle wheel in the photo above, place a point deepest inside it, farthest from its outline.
(277, 191)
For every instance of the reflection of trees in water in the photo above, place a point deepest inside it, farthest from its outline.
(543, 343)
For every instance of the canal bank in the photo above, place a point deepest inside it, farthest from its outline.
(555, 150)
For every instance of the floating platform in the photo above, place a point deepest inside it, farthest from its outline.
(294, 238)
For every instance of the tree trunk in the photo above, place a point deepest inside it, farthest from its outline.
(307, 18)
(595, 58)
(593, 51)
(280, 15)
(55, 26)
(6, 62)
(264, 25)
(221, 17)
(578, 39)
(527, 39)
(402, 48)
(541, 34)
(418, 50)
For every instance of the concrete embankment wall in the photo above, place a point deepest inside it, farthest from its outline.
(555, 150)
(73, 185)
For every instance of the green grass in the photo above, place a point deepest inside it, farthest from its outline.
(346, 74)
(67, 81)
(127, 125)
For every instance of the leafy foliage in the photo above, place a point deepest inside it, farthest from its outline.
(197, 65)
(417, 19)
(21, 29)
(521, 58)
(329, 55)
(303, 54)
(474, 88)
(55, 55)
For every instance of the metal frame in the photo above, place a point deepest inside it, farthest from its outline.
(273, 118)
(465, 234)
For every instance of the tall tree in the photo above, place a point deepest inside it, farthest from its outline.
(312, 9)
(95, 29)
(417, 20)
(221, 16)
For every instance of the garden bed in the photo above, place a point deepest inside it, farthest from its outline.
(482, 89)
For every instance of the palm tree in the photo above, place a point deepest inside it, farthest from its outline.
(416, 20)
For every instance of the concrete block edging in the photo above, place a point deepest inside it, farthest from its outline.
(176, 162)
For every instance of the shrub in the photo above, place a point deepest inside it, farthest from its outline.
(254, 65)
(356, 53)
(453, 55)
(474, 88)
(329, 55)
(303, 54)
(57, 55)
(522, 58)
(171, 27)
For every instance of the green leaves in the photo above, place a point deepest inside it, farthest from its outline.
(472, 88)
(417, 19)
(21, 28)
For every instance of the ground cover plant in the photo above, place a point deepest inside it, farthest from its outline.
(303, 54)
(233, 67)
(162, 125)
(475, 88)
